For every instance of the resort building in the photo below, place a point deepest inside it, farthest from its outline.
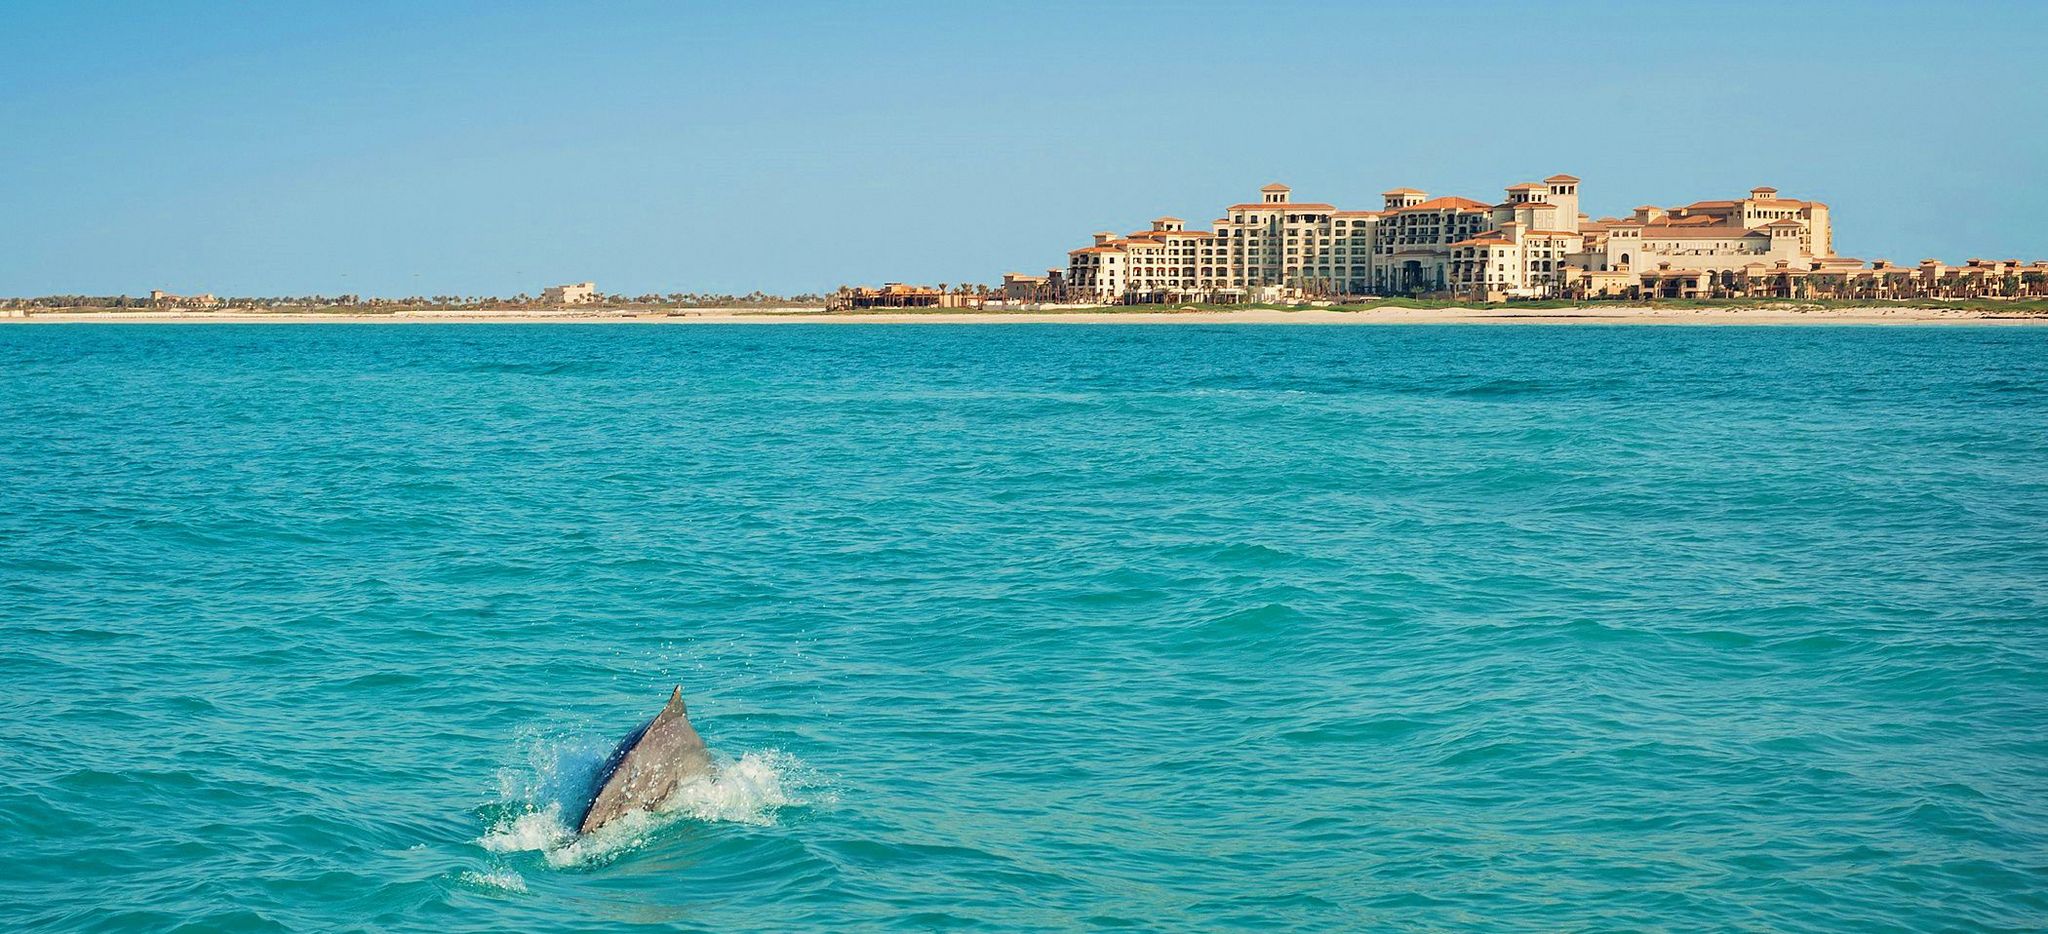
(1413, 244)
(581, 293)
(1096, 272)
(1018, 287)
(1533, 243)
(1720, 235)
(1277, 242)
(1162, 263)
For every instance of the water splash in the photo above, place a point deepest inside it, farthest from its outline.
(535, 813)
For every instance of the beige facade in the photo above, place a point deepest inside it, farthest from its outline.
(159, 298)
(1711, 247)
(1308, 247)
(1258, 247)
(1597, 283)
(1702, 241)
(1019, 287)
(581, 293)
(1096, 272)
(1513, 262)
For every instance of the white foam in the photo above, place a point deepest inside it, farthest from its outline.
(503, 880)
(529, 830)
(749, 790)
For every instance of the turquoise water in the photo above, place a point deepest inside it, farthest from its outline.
(1027, 628)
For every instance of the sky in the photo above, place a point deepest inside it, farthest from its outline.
(428, 148)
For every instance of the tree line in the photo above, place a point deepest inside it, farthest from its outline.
(447, 302)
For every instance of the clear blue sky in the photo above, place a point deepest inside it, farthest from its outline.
(394, 148)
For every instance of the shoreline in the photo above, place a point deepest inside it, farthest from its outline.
(1586, 314)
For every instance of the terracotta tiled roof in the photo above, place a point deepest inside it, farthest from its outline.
(1401, 191)
(1276, 186)
(1562, 179)
(1528, 186)
(1445, 203)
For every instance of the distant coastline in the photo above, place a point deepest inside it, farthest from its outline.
(1382, 312)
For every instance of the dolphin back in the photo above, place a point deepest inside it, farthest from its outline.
(648, 766)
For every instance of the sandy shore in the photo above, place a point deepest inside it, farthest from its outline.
(1383, 315)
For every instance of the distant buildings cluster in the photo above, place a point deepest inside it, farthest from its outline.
(1534, 243)
(900, 295)
(562, 296)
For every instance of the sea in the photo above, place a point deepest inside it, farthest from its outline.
(1026, 627)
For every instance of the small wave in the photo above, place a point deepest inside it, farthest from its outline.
(1509, 388)
(500, 880)
(536, 367)
(748, 790)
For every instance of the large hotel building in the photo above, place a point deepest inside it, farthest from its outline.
(1533, 243)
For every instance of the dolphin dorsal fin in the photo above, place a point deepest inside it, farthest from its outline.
(675, 704)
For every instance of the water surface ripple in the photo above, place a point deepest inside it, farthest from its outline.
(1028, 628)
